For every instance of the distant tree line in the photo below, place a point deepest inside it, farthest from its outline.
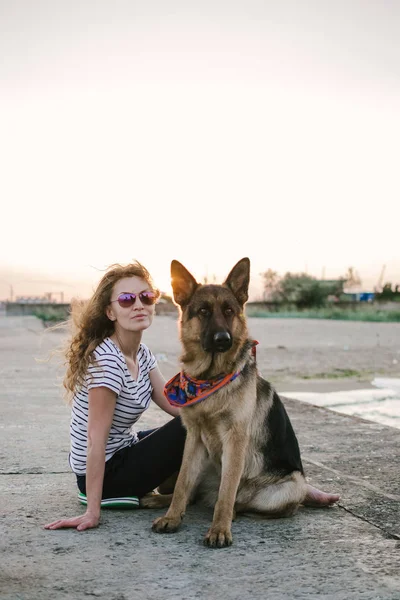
(389, 293)
(300, 289)
(305, 291)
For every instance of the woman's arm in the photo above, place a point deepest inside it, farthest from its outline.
(158, 382)
(101, 411)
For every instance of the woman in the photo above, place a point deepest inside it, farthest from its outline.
(111, 378)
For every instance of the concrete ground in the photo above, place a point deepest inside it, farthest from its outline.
(350, 551)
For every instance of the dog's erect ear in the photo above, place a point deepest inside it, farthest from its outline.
(238, 280)
(183, 283)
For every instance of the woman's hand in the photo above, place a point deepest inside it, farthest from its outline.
(86, 521)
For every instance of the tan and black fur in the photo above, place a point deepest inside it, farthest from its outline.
(241, 453)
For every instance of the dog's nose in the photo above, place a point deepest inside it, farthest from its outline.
(222, 341)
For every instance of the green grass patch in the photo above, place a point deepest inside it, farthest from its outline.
(51, 316)
(336, 374)
(371, 314)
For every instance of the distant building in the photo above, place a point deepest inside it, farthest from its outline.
(358, 297)
(366, 296)
(32, 300)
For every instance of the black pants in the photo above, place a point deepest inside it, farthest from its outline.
(140, 468)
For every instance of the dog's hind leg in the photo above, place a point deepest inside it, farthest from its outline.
(276, 500)
(163, 498)
(318, 499)
(194, 457)
(168, 486)
(155, 501)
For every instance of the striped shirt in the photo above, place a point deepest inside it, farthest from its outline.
(133, 398)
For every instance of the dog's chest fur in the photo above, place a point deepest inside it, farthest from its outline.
(221, 414)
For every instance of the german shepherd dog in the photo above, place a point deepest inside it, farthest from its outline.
(241, 453)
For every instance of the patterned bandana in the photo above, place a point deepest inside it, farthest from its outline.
(183, 390)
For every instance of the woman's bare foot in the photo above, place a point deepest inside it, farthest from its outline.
(316, 498)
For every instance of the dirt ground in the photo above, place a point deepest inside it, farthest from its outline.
(343, 553)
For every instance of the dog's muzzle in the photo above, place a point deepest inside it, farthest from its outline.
(222, 341)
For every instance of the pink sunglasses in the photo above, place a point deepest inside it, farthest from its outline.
(125, 300)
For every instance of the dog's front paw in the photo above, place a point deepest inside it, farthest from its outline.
(218, 537)
(166, 524)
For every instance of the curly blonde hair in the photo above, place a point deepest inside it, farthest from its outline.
(91, 324)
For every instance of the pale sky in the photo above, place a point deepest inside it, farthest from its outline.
(197, 131)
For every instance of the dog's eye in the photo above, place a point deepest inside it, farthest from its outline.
(228, 311)
(204, 311)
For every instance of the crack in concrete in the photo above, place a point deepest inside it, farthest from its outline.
(393, 536)
(357, 480)
(364, 484)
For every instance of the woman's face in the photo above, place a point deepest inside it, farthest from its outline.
(139, 315)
